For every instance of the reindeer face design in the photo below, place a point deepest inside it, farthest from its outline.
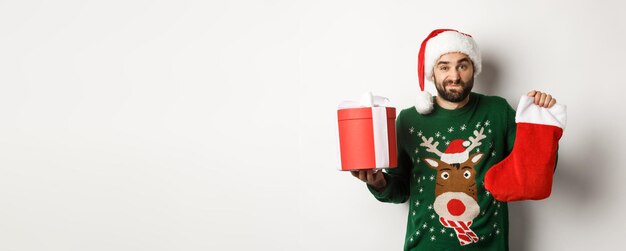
(456, 199)
(457, 177)
(455, 191)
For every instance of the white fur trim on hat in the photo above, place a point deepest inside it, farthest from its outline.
(446, 42)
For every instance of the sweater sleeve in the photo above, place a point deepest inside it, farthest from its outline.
(511, 128)
(397, 189)
(556, 160)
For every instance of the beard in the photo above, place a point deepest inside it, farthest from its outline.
(454, 95)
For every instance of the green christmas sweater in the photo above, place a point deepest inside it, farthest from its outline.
(442, 161)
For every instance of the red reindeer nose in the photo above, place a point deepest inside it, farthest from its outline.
(456, 207)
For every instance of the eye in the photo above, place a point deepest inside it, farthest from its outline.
(443, 68)
(463, 67)
(445, 175)
(467, 174)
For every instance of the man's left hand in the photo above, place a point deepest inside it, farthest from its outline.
(542, 99)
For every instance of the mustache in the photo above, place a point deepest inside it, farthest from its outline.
(449, 82)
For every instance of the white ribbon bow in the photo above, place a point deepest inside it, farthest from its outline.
(367, 100)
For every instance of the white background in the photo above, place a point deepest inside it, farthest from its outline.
(211, 125)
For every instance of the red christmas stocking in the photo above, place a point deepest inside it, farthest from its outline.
(526, 174)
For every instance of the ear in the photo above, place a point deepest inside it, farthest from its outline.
(432, 163)
(476, 157)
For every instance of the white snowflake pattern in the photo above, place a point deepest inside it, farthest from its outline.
(496, 213)
(495, 225)
(432, 238)
(497, 231)
(443, 231)
(430, 207)
(493, 153)
(413, 212)
(463, 127)
(489, 130)
(451, 235)
(487, 123)
(443, 137)
(421, 190)
(424, 226)
(432, 216)
(482, 238)
(438, 134)
(451, 129)
(417, 233)
(411, 239)
(447, 142)
(432, 229)
(477, 124)
(417, 203)
(418, 160)
(419, 133)
(432, 177)
(487, 193)
(411, 130)
(417, 150)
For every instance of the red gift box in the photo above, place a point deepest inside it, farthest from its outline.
(367, 138)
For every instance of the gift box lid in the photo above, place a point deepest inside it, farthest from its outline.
(363, 113)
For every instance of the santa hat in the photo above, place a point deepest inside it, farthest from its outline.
(455, 153)
(440, 42)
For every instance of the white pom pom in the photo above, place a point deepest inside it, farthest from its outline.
(424, 102)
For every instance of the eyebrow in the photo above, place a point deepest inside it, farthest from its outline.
(458, 62)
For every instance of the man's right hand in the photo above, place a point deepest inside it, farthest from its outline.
(374, 178)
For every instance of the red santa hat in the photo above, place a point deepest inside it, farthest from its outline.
(455, 153)
(440, 42)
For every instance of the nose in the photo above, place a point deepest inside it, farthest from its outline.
(456, 207)
(454, 74)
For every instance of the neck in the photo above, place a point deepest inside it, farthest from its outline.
(451, 105)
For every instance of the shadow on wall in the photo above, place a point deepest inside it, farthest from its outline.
(575, 186)
(576, 179)
(488, 81)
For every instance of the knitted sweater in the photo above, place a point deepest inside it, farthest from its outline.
(442, 161)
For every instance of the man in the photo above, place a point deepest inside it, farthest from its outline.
(445, 149)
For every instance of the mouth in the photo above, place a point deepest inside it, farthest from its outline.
(454, 89)
(454, 86)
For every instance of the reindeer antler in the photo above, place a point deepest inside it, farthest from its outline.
(476, 141)
(431, 147)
